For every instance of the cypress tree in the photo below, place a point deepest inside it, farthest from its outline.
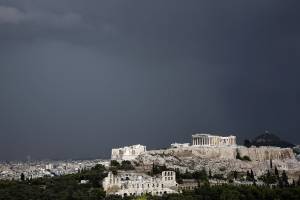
(276, 171)
(252, 175)
(284, 178)
(22, 177)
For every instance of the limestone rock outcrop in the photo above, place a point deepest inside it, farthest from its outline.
(221, 160)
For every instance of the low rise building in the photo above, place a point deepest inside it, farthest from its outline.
(188, 184)
(180, 145)
(127, 152)
(135, 184)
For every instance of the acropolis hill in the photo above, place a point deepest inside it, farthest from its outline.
(219, 154)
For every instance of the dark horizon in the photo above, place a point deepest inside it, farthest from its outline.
(80, 77)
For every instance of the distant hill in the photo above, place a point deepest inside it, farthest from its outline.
(269, 139)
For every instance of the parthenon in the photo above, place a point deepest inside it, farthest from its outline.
(213, 140)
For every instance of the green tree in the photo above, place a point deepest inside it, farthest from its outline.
(22, 177)
(235, 175)
(96, 194)
(276, 171)
(114, 163)
(284, 179)
(126, 165)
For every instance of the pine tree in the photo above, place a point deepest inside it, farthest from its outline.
(271, 164)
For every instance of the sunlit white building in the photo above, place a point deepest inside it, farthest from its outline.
(127, 152)
(135, 184)
(201, 139)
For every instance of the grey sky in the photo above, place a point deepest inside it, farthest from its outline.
(80, 77)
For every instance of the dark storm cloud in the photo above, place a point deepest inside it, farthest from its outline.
(79, 77)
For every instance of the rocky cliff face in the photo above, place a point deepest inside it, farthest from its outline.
(219, 159)
(267, 153)
(258, 154)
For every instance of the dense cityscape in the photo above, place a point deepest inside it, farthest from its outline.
(38, 169)
(209, 163)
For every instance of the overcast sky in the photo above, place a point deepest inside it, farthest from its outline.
(79, 77)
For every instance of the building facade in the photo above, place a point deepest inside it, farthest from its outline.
(213, 140)
(180, 145)
(135, 184)
(127, 152)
